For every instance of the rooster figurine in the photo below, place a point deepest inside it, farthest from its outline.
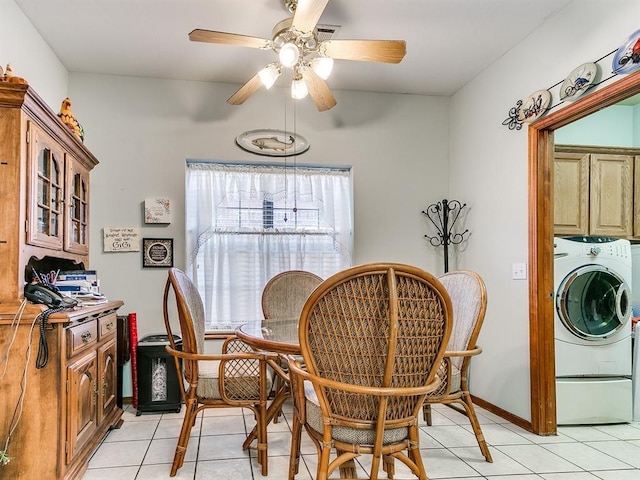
(10, 77)
(69, 119)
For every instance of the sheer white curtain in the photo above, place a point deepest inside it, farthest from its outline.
(246, 223)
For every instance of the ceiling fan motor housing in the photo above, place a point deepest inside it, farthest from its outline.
(307, 42)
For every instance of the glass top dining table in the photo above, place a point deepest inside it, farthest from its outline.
(279, 335)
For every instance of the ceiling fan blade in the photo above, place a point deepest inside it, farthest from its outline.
(307, 14)
(209, 36)
(319, 90)
(386, 51)
(245, 91)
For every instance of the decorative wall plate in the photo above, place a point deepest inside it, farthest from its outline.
(627, 57)
(534, 106)
(578, 81)
(273, 143)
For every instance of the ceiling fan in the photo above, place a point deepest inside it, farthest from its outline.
(296, 42)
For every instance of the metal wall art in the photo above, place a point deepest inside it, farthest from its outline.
(626, 59)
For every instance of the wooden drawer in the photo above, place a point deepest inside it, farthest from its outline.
(108, 325)
(81, 336)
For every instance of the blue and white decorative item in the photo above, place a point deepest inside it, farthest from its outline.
(627, 57)
(578, 81)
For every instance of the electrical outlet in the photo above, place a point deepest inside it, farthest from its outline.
(519, 271)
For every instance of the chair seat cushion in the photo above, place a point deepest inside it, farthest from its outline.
(346, 434)
(209, 386)
(454, 384)
(455, 379)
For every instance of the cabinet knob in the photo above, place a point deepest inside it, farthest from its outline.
(86, 336)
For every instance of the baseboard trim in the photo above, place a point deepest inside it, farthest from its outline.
(516, 420)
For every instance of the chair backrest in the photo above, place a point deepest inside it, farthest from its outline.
(284, 294)
(190, 315)
(469, 299)
(377, 325)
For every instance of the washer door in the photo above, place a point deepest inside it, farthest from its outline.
(593, 302)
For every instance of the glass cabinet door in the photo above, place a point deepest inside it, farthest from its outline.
(77, 234)
(47, 183)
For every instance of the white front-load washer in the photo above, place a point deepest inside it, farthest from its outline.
(593, 350)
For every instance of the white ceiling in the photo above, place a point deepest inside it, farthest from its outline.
(448, 41)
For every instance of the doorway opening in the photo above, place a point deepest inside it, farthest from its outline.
(541, 314)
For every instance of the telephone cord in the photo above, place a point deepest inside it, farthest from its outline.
(43, 348)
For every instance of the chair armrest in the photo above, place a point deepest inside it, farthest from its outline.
(364, 390)
(297, 387)
(277, 367)
(298, 376)
(463, 353)
(263, 356)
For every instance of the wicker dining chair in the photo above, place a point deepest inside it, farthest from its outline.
(236, 378)
(469, 299)
(371, 337)
(284, 294)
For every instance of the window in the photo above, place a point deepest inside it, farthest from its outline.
(247, 223)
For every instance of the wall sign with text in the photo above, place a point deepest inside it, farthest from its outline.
(123, 239)
(157, 210)
(157, 252)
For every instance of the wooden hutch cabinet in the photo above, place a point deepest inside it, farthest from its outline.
(69, 403)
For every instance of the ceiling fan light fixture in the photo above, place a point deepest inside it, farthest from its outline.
(299, 89)
(289, 54)
(269, 74)
(322, 66)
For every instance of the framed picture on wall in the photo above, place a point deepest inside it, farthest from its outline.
(157, 252)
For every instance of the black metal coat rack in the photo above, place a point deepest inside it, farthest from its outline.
(444, 215)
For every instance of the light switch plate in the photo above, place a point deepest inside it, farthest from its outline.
(519, 271)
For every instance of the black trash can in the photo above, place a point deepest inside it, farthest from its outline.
(158, 387)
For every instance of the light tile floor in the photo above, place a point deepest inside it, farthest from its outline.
(142, 449)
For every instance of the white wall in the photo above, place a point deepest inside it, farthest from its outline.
(31, 58)
(488, 169)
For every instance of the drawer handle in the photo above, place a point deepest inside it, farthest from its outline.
(86, 336)
(109, 325)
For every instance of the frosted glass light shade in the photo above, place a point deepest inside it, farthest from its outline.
(322, 66)
(299, 89)
(269, 74)
(289, 55)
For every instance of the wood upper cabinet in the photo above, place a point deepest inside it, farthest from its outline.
(571, 194)
(611, 195)
(76, 238)
(46, 189)
(58, 198)
(594, 191)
